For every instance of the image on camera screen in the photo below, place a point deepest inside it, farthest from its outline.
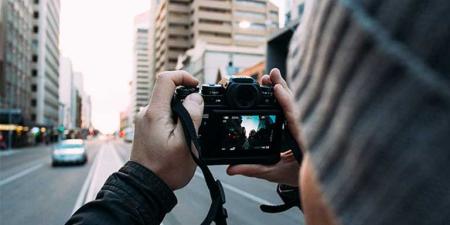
(247, 132)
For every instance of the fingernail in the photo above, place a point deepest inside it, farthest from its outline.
(195, 98)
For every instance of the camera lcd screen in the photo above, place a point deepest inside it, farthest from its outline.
(246, 132)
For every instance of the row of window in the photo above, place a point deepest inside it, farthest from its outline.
(252, 15)
(246, 37)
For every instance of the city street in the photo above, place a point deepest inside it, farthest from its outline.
(31, 190)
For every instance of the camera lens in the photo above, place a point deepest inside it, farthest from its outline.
(243, 96)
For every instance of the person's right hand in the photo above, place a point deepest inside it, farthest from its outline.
(159, 142)
(286, 171)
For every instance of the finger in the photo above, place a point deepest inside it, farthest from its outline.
(248, 170)
(287, 156)
(194, 105)
(276, 78)
(286, 102)
(265, 80)
(165, 85)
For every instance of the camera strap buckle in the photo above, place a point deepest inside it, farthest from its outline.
(216, 212)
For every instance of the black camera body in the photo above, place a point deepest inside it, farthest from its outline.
(242, 122)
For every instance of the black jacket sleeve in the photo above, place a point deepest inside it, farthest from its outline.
(134, 195)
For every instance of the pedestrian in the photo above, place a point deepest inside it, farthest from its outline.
(368, 102)
(2, 142)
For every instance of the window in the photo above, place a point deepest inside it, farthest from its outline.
(211, 9)
(36, 14)
(34, 58)
(215, 34)
(35, 29)
(33, 87)
(33, 102)
(256, 26)
(252, 3)
(34, 73)
(210, 21)
(253, 15)
(244, 37)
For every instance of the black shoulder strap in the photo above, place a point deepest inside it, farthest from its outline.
(289, 195)
(295, 147)
(217, 212)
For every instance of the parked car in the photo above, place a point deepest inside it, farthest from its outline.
(69, 151)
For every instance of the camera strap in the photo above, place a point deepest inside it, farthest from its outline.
(294, 146)
(216, 213)
(290, 195)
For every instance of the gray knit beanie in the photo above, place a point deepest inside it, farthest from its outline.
(372, 83)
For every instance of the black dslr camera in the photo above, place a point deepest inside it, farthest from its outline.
(242, 122)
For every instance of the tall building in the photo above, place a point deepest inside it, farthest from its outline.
(77, 99)
(141, 83)
(180, 25)
(151, 42)
(45, 58)
(236, 22)
(16, 19)
(66, 92)
(75, 102)
(86, 112)
(171, 33)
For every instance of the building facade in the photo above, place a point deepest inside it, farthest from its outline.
(256, 71)
(141, 82)
(294, 11)
(211, 62)
(86, 113)
(66, 93)
(45, 58)
(182, 24)
(16, 19)
(172, 26)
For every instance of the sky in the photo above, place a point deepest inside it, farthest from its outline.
(97, 35)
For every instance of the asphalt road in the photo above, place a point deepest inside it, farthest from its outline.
(33, 192)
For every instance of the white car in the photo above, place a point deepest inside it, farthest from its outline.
(69, 151)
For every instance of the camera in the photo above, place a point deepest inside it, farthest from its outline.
(242, 122)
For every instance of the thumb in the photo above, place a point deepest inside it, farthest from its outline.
(194, 105)
(247, 170)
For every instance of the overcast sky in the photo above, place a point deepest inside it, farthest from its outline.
(97, 35)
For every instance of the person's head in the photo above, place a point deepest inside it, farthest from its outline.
(372, 82)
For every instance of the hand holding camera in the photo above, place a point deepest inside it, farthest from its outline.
(248, 118)
(286, 170)
(242, 122)
(159, 142)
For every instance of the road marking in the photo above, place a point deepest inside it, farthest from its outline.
(8, 152)
(109, 162)
(239, 191)
(20, 174)
(84, 188)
